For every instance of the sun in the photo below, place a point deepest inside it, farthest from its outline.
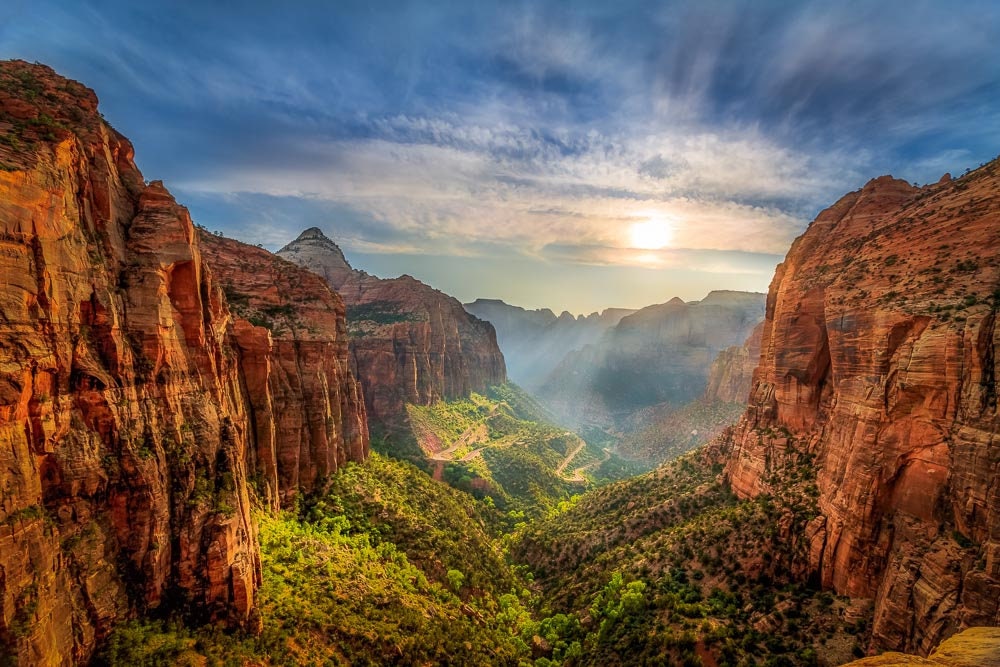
(651, 234)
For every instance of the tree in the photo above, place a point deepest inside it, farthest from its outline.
(455, 580)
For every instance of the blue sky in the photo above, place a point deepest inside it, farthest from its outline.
(511, 150)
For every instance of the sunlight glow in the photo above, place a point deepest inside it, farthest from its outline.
(651, 234)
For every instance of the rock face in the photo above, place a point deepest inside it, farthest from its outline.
(535, 341)
(658, 355)
(975, 647)
(731, 375)
(879, 355)
(410, 343)
(129, 395)
(308, 412)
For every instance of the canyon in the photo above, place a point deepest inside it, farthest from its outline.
(185, 446)
(659, 356)
(534, 342)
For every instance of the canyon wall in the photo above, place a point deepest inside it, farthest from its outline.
(658, 357)
(879, 356)
(731, 375)
(535, 341)
(129, 395)
(410, 342)
(307, 410)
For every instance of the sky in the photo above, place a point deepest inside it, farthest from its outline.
(569, 155)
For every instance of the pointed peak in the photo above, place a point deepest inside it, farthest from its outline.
(314, 237)
(314, 250)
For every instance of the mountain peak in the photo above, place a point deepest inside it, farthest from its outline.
(314, 248)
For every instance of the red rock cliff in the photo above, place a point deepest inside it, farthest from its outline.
(411, 343)
(122, 418)
(879, 354)
(308, 412)
(134, 408)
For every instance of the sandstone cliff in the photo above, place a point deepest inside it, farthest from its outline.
(410, 343)
(731, 375)
(535, 341)
(975, 647)
(308, 413)
(879, 357)
(130, 399)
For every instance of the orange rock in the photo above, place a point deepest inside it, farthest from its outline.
(308, 411)
(410, 342)
(879, 354)
(133, 409)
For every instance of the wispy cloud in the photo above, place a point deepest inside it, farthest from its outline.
(535, 130)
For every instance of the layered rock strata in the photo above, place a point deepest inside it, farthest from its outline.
(731, 375)
(410, 343)
(879, 356)
(129, 425)
(307, 410)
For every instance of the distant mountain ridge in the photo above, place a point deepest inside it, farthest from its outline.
(661, 354)
(410, 342)
(535, 341)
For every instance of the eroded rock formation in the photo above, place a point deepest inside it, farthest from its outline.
(731, 375)
(660, 355)
(308, 412)
(410, 342)
(879, 356)
(535, 341)
(128, 394)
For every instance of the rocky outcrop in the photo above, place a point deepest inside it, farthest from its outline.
(535, 341)
(130, 398)
(410, 343)
(975, 647)
(879, 356)
(308, 413)
(731, 374)
(658, 356)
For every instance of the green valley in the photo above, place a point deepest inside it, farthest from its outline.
(503, 447)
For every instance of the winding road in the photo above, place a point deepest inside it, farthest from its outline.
(578, 474)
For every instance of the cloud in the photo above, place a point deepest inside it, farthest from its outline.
(440, 182)
(538, 131)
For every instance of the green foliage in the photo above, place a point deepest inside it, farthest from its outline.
(455, 580)
(502, 445)
(378, 312)
(670, 566)
(388, 567)
(670, 432)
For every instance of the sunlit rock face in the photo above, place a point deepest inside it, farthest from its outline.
(129, 393)
(308, 413)
(410, 343)
(879, 354)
